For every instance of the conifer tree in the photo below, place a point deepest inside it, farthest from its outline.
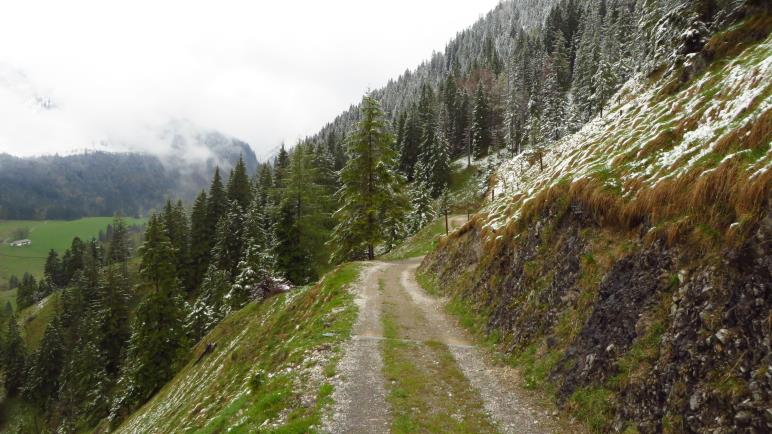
(118, 252)
(53, 269)
(421, 212)
(230, 238)
(410, 146)
(482, 136)
(199, 241)
(370, 187)
(208, 309)
(216, 205)
(239, 188)
(158, 342)
(13, 282)
(175, 220)
(42, 382)
(14, 358)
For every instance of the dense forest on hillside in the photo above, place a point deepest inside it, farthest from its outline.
(125, 321)
(104, 183)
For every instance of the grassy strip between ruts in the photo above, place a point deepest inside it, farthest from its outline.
(426, 389)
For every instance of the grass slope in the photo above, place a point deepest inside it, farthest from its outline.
(45, 235)
(267, 372)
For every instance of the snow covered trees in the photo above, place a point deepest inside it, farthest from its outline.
(482, 136)
(370, 188)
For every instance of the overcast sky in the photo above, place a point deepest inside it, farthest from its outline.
(117, 73)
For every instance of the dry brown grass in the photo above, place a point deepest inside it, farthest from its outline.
(733, 41)
(753, 135)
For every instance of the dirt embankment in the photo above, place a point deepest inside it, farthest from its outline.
(626, 333)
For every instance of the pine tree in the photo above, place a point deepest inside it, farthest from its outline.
(14, 358)
(281, 165)
(72, 260)
(158, 342)
(230, 237)
(199, 241)
(25, 293)
(421, 212)
(410, 146)
(208, 309)
(482, 137)
(53, 269)
(216, 206)
(300, 229)
(13, 282)
(239, 188)
(175, 220)
(370, 188)
(42, 383)
(553, 115)
(253, 280)
(118, 252)
(111, 311)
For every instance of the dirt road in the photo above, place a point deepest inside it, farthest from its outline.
(411, 368)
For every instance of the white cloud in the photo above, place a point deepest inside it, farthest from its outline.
(261, 71)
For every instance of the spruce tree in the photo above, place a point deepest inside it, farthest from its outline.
(208, 309)
(158, 342)
(239, 188)
(13, 282)
(421, 212)
(42, 383)
(217, 204)
(118, 252)
(199, 241)
(230, 237)
(370, 187)
(53, 269)
(14, 358)
(482, 136)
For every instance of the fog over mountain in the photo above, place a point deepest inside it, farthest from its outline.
(133, 78)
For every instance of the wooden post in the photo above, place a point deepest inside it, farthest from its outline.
(493, 195)
(446, 222)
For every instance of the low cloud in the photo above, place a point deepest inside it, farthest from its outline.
(106, 75)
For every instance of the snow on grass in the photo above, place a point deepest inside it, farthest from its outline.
(716, 103)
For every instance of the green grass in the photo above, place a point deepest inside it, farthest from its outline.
(45, 235)
(258, 370)
(34, 320)
(8, 296)
(426, 396)
(419, 244)
(593, 406)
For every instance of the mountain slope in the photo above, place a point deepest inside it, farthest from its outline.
(264, 367)
(626, 269)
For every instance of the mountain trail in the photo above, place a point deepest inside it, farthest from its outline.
(410, 367)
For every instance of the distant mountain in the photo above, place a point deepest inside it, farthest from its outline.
(102, 183)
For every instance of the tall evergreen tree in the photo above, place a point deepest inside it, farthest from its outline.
(216, 205)
(158, 342)
(199, 241)
(239, 188)
(482, 136)
(14, 358)
(230, 239)
(370, 188)
(118, 252)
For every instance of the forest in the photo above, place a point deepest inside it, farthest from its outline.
(127, 318)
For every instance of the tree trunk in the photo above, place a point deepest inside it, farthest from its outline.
(370, 252)
(446, 222)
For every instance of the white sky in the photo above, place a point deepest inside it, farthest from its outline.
(118, 71)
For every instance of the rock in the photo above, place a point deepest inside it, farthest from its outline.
(743, 417)
(723, 336)
(695, 401)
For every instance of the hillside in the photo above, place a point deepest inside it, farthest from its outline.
(626, 268)
(265, 368)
